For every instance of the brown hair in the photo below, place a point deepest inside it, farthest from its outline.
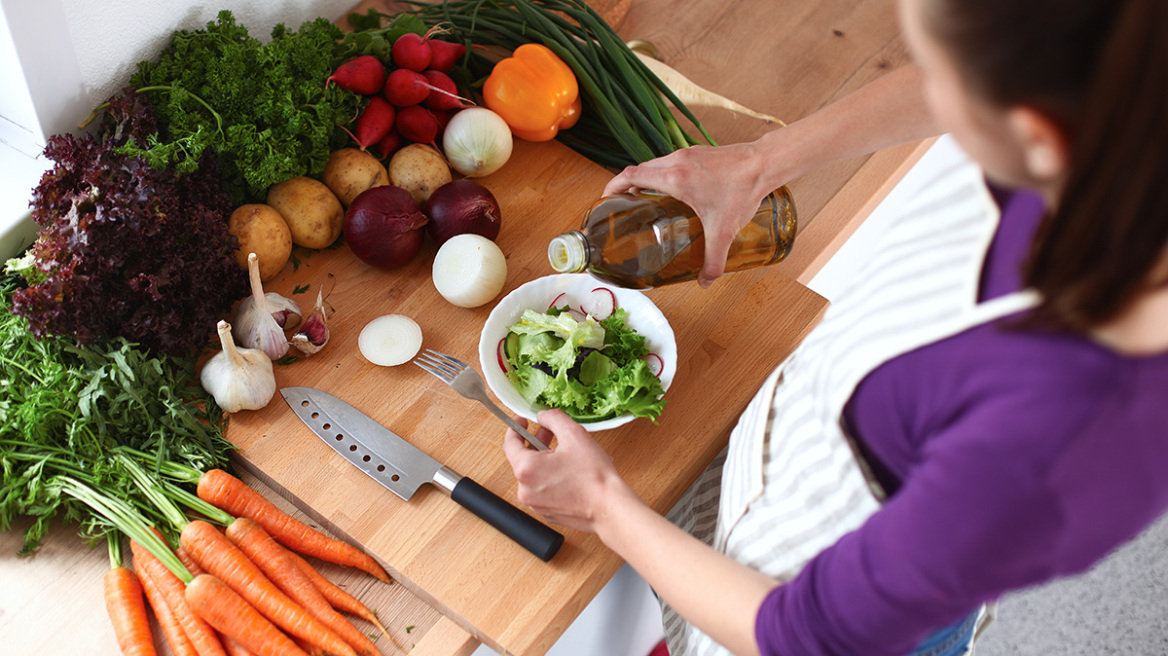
(1099, 68)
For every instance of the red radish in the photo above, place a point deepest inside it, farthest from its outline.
(577, 315)
(556, 301)
(499, 354)
(445, 54)
(447, 92)
(417, 124)
(412, 51)
(404, 87)
(601, 303)
(656, 364)
(374, 123)
(443, 119)
(364, 75)
(390, 144)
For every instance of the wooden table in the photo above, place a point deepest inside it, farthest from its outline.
(460, 582)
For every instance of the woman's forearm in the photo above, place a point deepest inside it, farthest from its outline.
(888, 111)
(710, 590)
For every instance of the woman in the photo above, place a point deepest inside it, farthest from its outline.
(984, 410)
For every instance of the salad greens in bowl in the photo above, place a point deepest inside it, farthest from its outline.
(603, 354)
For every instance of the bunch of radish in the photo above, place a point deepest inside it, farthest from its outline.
(410, 101)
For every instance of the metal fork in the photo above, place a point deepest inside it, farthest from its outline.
(469, 383)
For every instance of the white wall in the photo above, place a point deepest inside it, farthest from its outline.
(61, 58)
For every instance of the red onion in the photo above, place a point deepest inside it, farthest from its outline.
(460, 207)
(383, 227)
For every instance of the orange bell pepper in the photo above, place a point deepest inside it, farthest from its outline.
(535, 92)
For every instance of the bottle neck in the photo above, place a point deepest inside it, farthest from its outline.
(568, 253)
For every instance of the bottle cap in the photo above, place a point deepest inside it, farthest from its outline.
(568, 253)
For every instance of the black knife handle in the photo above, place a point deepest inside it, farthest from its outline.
(513, 522)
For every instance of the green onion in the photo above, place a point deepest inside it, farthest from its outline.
(627, 113)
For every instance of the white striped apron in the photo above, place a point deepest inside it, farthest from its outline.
(788, 485)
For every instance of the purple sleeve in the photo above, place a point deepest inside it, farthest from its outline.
(947, 541)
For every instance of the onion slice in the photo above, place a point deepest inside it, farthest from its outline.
(390, 340)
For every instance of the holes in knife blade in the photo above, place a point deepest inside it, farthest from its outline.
(366, 458)
(316, 415)
(340, 437)
(352, 447)
(328, 426)
(304, 404)
(380, 468)
(395, 478)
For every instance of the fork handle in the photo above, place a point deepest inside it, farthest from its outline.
(539, 446)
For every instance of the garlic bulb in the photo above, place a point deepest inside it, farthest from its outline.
(255, 323)
(238, 378)
(315, 333)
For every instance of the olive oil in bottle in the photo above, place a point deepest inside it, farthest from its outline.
(647, 239)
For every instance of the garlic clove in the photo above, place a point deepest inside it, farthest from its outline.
(284, 310)
(314, 334)
(238, 378)
(255, 326)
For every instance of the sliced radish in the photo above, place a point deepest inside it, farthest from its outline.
(390, 340)
(499, 354)
(601, 303)
(656, 364)
(556, 301)
(577, 315)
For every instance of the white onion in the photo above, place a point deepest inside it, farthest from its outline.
(477, 142)
(469, 270)
(390, 340)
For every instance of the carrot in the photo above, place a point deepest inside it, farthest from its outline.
(276, 562)
(172, 631)
(217, 556)
(127, 610)
(231, 615)
(202, 638)
(188, 561)
(232, 646)
(230, 494)
(337, 597)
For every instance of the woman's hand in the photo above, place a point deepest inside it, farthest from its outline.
(724, 185)
(572, 485)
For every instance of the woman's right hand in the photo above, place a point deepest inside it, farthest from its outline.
(724, 185)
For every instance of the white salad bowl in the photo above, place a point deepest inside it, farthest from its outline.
(576, 288)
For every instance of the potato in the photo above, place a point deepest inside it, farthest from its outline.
(419, 169)
(350, 171)
(261, 230)
(311, 210)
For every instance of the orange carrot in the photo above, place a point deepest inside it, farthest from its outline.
(233, 646)
(217, 556)
(232, 495)
(274, 561)
(338, 598)
(188, 561)
(172, 631)
(231, 615)
(202, 638)
(127, 611)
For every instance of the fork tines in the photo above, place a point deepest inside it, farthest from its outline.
(441, 365)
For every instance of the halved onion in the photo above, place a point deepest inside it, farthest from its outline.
(390, 340)
(469, 270)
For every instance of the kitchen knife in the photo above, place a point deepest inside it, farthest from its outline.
(403, 468)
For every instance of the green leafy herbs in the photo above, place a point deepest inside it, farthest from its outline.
(590, 370)
(70, 417)
(262, 108)
(374, 33)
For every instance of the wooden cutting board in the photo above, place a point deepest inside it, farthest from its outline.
(477, 577)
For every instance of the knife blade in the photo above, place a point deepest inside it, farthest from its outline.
(402, 468)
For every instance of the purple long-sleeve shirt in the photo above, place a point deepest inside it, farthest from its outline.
(1012, 457)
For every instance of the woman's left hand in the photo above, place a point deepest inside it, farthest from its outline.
(572, 484)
